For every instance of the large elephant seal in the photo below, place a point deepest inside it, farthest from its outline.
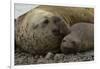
(42, 29)
(80, 39)
(40, 34)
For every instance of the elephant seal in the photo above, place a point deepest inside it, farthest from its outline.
(80, 39)
(42, 29)
(42, 34)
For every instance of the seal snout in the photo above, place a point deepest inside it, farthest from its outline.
(60, 27)
(56, 32)
(57, 21)
(67, 46)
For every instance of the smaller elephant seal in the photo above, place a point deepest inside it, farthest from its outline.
(80, 39)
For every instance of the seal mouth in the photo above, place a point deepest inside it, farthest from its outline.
(56, 32)
(69, 50)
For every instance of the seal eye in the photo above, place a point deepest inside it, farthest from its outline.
(45, 23)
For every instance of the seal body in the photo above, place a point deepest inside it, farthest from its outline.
(40, 32)
(80, 39)
(42, 29)
(71, 15)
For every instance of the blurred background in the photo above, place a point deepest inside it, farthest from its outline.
(20, 9)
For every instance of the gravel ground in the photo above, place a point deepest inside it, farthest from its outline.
(23, 58)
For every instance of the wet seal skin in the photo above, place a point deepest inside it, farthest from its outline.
(42, 29)
(80, 39)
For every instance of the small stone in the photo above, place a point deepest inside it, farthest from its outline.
(58, 57)
(41, 60)
(49, 55)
